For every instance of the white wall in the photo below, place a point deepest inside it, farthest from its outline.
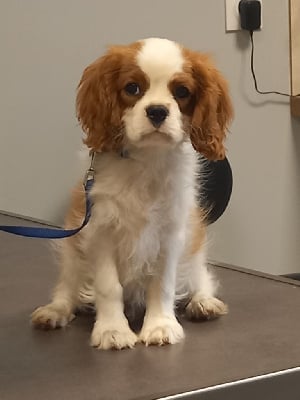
(261, 228)
(44, 48)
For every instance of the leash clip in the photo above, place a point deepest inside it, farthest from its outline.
(90, 173)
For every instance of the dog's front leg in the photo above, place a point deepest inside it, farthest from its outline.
(111, 329)
(160, 324)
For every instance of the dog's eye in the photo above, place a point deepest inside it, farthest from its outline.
(132, 89)
(181, 92)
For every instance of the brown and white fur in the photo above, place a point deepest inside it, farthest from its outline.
(145, 242)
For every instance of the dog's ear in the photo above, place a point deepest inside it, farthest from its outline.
(97, 103)
(212, 111)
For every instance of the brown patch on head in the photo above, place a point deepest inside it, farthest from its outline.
(101, 99)
(208, 107)
(180, 81)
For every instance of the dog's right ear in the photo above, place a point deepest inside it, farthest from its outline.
(97, 104)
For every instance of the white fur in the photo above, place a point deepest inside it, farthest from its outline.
(134, 248)
(168, 56)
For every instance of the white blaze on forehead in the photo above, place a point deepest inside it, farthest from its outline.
(160, 58)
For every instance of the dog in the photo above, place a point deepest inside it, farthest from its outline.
(147, 110)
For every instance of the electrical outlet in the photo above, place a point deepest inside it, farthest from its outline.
(232, 16)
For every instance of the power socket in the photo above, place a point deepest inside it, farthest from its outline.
(232, 15)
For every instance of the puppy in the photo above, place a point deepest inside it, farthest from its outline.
(146, 110)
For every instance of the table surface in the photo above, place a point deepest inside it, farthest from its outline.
(260, 335)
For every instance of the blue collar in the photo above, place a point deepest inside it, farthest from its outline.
(124, 153)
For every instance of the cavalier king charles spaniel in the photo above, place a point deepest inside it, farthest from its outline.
(147, 110)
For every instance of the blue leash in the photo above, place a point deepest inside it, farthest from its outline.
(54, 233)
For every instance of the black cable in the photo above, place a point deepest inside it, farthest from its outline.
(254, 77)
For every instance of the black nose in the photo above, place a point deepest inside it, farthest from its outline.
(157, 114)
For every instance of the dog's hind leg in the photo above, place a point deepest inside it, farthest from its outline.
(65, 296)
(202, 290)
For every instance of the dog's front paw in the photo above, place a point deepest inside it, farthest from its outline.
(113, 335)
(161, 330)
(205, 308)
(51, 316)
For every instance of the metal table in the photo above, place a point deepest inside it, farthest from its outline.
(254, 352)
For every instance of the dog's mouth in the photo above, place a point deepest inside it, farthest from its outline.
(157, 137)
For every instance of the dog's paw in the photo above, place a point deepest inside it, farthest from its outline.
(113, 335)
(160, 331)
(51, 316)
(205, 308)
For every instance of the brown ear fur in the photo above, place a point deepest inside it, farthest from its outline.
(213, 110)
(97, 107)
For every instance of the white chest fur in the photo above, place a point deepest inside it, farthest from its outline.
(139, 200)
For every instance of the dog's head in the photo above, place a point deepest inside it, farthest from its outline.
(154, 92)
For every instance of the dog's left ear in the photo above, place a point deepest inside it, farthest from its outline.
(212, 111)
